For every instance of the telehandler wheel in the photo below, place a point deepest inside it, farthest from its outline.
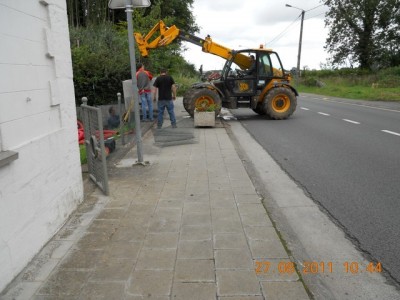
(259, 109)
(280, 103)
(200, 97)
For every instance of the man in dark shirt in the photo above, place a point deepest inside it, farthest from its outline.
(166, 90)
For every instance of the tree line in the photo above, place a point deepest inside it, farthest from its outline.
(362, 34)
(99, 45)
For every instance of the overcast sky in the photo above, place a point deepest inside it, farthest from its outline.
(239, 24)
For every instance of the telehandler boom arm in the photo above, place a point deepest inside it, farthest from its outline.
(168, 34)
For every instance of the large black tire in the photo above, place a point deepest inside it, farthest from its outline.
(259, 109)
(196, 95)
(280, 103)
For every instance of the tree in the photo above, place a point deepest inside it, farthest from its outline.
(164, 57)
(100, 58)
(389, 36)
(366, 32)
(100, 61)
(87, 12)
(99, 48)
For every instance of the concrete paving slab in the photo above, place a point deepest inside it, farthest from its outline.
(227, 226)
(189, 225)
(103, 290)
(193, 290)
(156, 259)
(247, 198)
(65, 283)
(190, 207)
(230, 241)
(250, 208)
(271, 248)
(196, 219)
(195, 250)
(260, 233)
(112, 269)
(194, 270)
(256, 219)
(126, 234)
(233, 259)
(165, 240)
(82, 259)
(284, 290)
(122, 249)
(241, 298)
(150, 283)
(237, 282)
(199, 232)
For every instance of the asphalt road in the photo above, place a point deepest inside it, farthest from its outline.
(346, 155)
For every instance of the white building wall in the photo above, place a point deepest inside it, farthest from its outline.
(40, 189)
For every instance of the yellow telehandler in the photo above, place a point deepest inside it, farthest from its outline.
(252, 78)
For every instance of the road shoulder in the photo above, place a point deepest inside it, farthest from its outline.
(309, 233)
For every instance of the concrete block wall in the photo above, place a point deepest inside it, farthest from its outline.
(40, 189)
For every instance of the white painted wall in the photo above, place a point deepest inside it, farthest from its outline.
(40, 189)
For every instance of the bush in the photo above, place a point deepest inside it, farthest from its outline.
(184, 83)
(389, 78)
(312, 82)
(100, 61)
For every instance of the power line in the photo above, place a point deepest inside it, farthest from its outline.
(314, 16)
(282, 33)
(314, 7)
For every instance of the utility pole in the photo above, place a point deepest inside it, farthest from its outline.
(129, 5)
(300, 40)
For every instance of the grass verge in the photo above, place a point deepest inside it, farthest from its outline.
(382, 85)
(352, 92)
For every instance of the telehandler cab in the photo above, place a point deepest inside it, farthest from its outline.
(252, 78)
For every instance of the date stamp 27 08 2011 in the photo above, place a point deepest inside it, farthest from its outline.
(315, 267)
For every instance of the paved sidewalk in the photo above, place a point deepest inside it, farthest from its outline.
(188, 226)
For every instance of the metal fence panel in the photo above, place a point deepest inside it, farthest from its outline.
(95, 149)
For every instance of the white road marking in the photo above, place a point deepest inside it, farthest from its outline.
(304, 108)
(351, 121)
(391, 132)
(357, 104)
(324, 114)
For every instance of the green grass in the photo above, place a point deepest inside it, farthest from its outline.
(82, 150)
(126, 128)
(353, 92)
(382, 85)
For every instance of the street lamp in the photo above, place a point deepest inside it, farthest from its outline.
(120, 4)
(129, 5)
(301, 37)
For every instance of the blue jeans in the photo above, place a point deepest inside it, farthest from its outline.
(169, 105)
(147, 102)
